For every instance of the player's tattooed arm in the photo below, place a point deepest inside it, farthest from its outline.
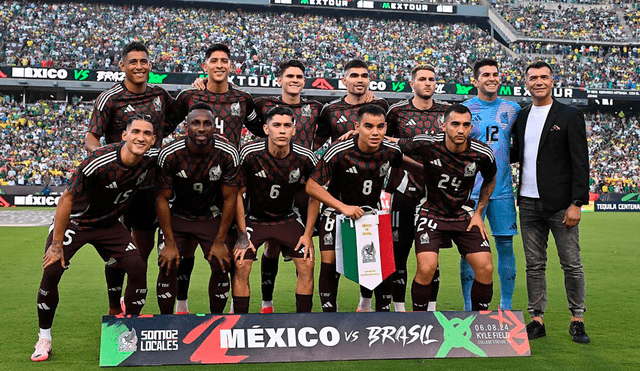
(61, 221)
(243, 243)
(219, 250)
(169, 254)
(486, 189)
(306, 240)
(316, 191)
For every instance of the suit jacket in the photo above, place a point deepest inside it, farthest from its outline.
(562, 165)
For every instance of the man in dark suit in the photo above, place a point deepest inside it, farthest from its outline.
(550, 144)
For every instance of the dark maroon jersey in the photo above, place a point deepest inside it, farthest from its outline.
(449, 177)
(404, 120)
(354, 177)
(103, 186)
(273, 183)
(306, 116)
(232, 110)
(338, 117)
(115, 106)
(197, 181)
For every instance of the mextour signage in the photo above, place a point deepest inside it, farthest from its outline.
(257, 338)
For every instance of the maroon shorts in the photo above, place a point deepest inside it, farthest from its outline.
(112, 242)
(189, 234)
(429, 234)
(286, 234)
(327, 232)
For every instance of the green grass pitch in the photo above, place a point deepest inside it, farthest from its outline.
(610, 250)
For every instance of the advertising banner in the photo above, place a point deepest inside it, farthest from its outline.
(316, 83)
(305, 337)
(616, 206)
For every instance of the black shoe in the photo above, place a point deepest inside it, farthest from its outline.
(577, 332)
(536, 330)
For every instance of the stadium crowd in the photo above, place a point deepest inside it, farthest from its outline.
(53, 35)
(42, 144)
(535, 21)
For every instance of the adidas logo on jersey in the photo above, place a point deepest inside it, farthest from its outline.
(342, 119)
(130, 247)
(411, 122)
(182, 174)
(436, 162)
(129, 109)
(113, 185)
(261, 174)
(352, 170)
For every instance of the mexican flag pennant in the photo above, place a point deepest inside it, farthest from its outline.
(364, 249)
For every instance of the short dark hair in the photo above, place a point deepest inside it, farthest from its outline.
(140, 117)
(481, 63)
(202, 106)
(371, 109)
(421, 67)
(215, 48)
(355, 63)
(290, 63)
(538, 64)
(278, 110)
(457, 108)
(134, 46)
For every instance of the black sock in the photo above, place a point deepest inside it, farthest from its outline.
(481, 295)
(240, 304)
(218, 288)
(435, 284)
(184, 276)
(166, 290)
(268, 272)
(383, 295)
(328, 287)
(304, 303)
(420, 295)
(115, 281)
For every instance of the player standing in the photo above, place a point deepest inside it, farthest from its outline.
(275, 170)
(100, 190)
(451, 161)
(492, 119)
(354, 170)
(232, 109)
(111, 111)
(306, 113)
(406, 119)
(338, 117)
(198, 186)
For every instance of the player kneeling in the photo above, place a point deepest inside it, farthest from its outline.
(99, 192)
(275, 170)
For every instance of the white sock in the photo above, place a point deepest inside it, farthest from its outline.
(398, 306)
(432, 306)
(182, 306)
(266, 304)
(45, 333)
(365, 303)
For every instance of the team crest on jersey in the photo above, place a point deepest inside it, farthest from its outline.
(306, 111)
(294, 175)
(384, 169)
(369, 253)
(215, 173)
(504, 120)
(470, 169)
(424, 238)
(235, 109)
(128, 341)
(141, 177)
(328, 239)
(157, 104)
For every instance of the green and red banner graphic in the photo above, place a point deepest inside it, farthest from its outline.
(299, 337)
(364, 249)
